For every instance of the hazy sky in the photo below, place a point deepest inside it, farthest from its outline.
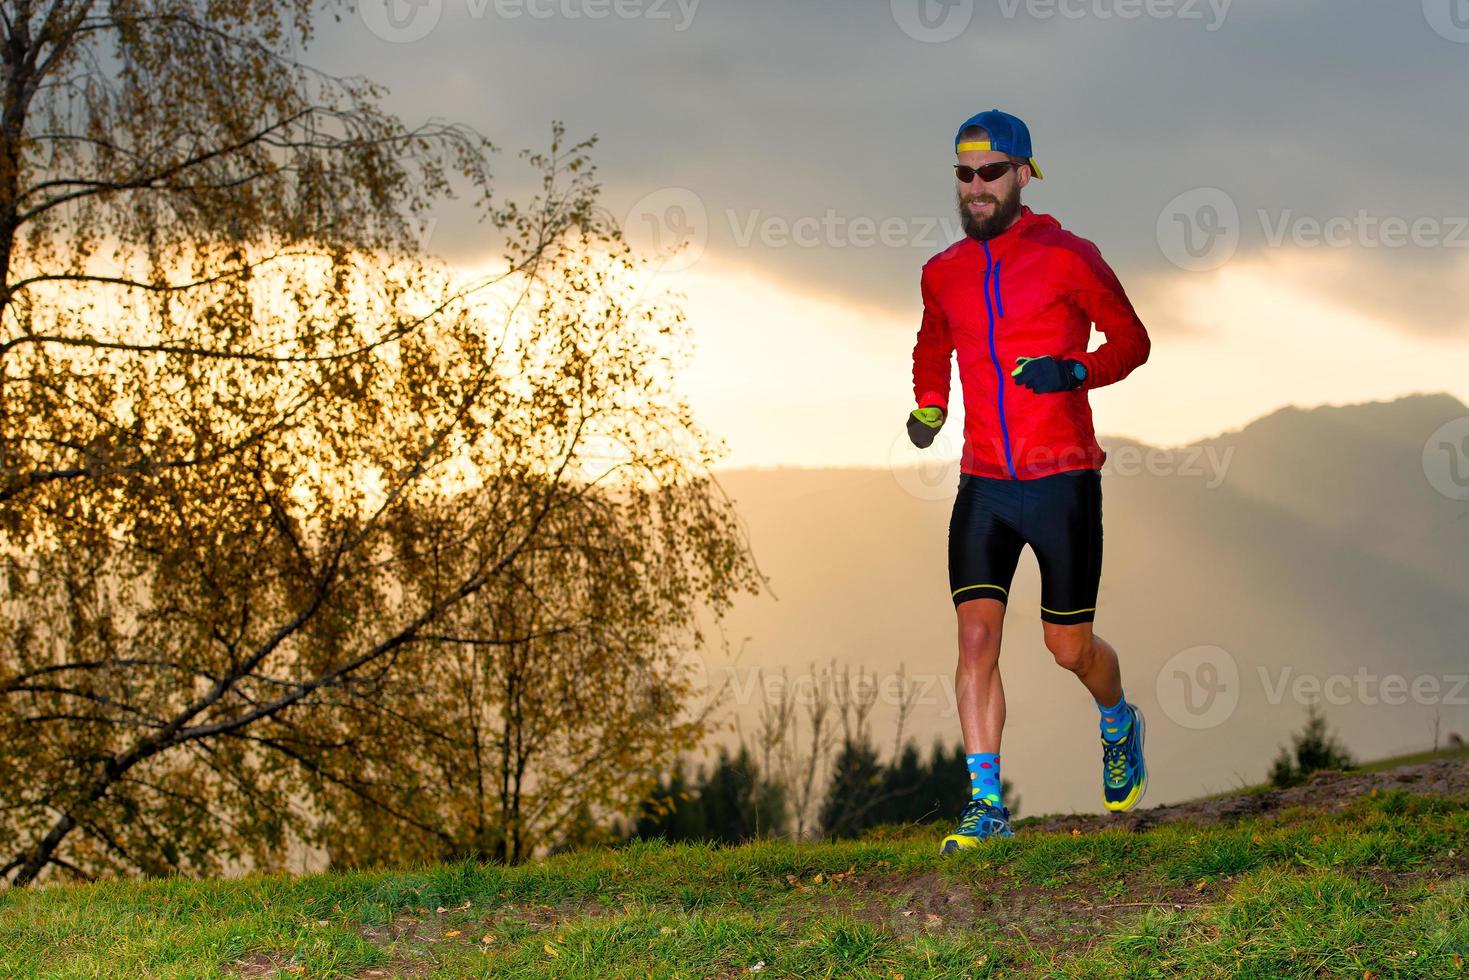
(1279, 185)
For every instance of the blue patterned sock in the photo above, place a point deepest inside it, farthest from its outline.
(1116, 720)
(984, 776)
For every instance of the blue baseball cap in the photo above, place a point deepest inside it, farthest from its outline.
(1007, 134)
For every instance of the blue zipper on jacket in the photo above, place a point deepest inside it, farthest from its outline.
(989, 307)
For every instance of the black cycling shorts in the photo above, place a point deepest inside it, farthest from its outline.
(1059, 516)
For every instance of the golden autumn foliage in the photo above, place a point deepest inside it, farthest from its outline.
(303, 537)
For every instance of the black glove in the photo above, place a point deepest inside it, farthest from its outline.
(1044, 375)
(924, 424)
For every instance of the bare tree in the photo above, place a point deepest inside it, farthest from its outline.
(798, 764)
(855, 702)
(907, 692)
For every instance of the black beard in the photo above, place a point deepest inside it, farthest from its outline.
(1004, 212)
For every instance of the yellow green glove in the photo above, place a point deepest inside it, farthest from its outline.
(924, 424)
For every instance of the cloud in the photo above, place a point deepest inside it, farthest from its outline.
(789, 113)
(1418, 297)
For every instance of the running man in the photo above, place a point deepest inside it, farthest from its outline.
(1016, 298)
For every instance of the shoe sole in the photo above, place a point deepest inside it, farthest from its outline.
(954, 847)
(1142, 789)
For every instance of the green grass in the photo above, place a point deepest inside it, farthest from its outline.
(1381, 886)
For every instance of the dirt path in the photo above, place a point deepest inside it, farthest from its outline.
(1329, 790)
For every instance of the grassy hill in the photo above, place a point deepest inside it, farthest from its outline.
(1337, 880)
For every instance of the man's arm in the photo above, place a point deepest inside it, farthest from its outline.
(1100, 296)
(932, 353)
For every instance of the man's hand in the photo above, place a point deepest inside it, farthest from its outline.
(1046, 375)
(924, 424)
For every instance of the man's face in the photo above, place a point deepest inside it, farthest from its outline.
(986, 209)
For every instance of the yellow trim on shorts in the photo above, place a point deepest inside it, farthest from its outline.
(985, 586)
(1057, 612)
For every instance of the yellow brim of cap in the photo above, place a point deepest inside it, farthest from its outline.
(984, 146)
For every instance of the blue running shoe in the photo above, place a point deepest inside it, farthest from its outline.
(1124, 775)
(979, 819)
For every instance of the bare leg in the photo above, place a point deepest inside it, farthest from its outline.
(978, 691)
(1089, 657)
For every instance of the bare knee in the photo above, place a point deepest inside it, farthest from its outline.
(976, 639)
(979, 637)
(1073, 649)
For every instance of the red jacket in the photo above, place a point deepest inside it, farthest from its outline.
(1035, 289)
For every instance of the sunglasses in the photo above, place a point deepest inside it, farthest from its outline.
(987, 173)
